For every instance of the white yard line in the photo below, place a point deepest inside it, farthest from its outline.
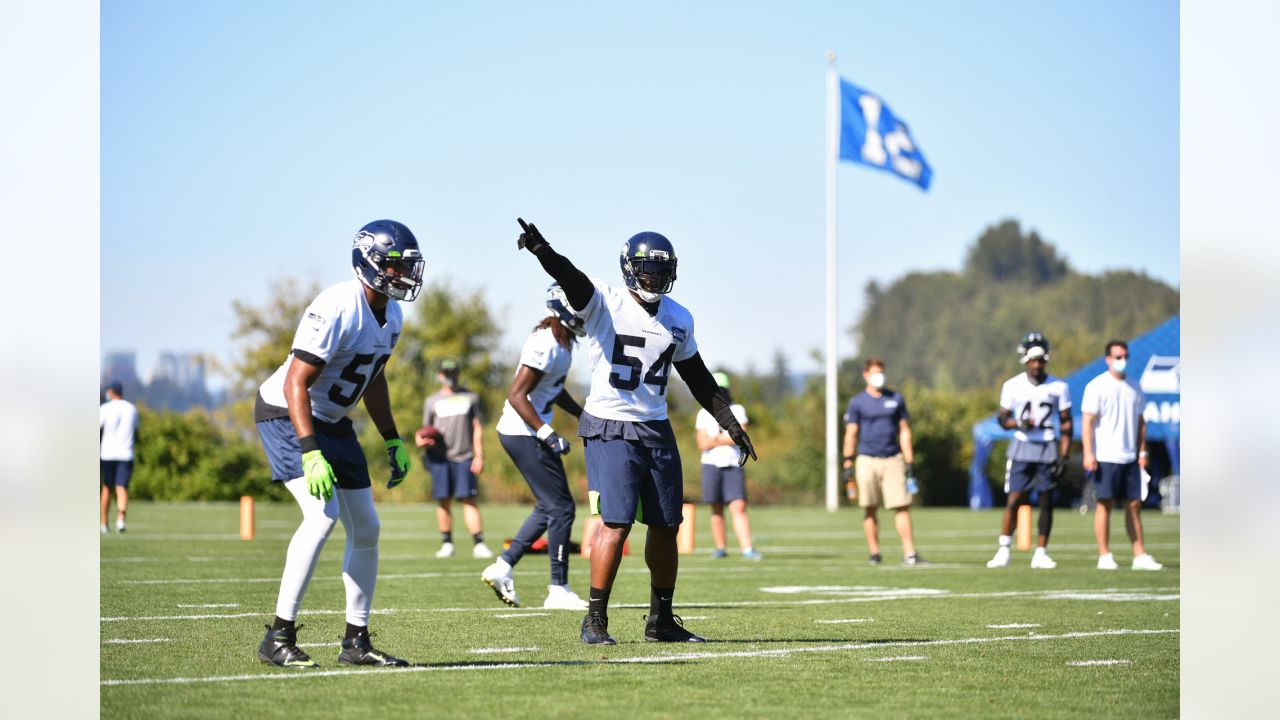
(328, 644)
(491, 651)
(1089, 663)
(522, 615)
(783, 652)
(212, 605)
(1114, 594)
(1012, 626)
(838, 622)
(129, 641)
(896, 658)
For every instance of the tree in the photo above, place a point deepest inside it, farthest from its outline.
(1004, 254)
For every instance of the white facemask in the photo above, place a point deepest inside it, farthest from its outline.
(1119, 364)
(876, 380)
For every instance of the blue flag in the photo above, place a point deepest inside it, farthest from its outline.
(872, 135)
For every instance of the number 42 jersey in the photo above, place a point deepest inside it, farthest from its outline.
(1039, 407)
(339, 330)
(631, 353)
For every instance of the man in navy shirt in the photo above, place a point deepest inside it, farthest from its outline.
(876, 426)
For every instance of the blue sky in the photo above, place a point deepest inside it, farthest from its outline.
(245, 142)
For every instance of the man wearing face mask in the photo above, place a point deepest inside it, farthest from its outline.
(454, 456)
(876, 426)
(1115, 437)
(1029, 402)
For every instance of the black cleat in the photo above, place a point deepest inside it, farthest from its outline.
(668, 629)
(280, 648)
(595, 630)
(874, 559)
(359, 650)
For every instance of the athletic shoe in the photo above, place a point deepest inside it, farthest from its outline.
(1001, 559)
(359, 650)
(446, 550)
(719, 553)
(1108, 562)
(103, 528)
(119, 526)
(560, 597)
(1146, 562)
(874, 559)
(668, 629)
(481, 551)
(1041, 561)
(595, 630)
(752, 554)
(498, 577)
(280, 648)
(914, 559)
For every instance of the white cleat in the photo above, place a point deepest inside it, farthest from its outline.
(1001, 559)
(560, 597)
(103, 529)
(446, 550)
(481, 552)
(1146, 562)
(1107, 562)
(1041, 561)
(498, 577)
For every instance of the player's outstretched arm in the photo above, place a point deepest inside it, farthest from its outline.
(695, 374)
(577, 286)
(568, 404)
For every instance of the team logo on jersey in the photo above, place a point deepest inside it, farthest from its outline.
(394, 338)
(678, 333)
(317, 319)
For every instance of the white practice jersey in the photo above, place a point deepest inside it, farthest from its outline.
(721, 455)
(118, 421)
(339, 329)
(631, 353)
(1117, 404)
(1037, 404)
(541, 352)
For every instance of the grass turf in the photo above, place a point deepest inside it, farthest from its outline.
(812, 630)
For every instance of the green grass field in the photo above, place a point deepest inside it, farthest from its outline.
(812, 631)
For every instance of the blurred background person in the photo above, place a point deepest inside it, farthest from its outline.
(1115, 454)
(877, 447)
(117, 432)
(723, 480)
(453, 441)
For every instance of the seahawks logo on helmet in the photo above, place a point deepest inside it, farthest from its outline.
(386, 257)
(558, 307)
(1034, 345)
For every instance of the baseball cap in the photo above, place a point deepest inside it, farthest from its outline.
(448, 366)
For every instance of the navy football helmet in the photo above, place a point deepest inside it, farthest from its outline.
(386, 257)
(558, 306)
(1034, 345)
(648, 265)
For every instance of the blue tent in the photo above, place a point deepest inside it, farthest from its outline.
(1157, 352)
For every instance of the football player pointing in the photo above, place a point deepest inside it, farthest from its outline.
(1029, 403)
(340, 349)
(634, 336)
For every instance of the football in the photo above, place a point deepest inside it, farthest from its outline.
(428, 434)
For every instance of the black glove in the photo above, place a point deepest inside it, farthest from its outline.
(846, 474)
(743, 442)
(1059, 468)
(531, 239)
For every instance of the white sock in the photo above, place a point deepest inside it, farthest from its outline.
(1006, 541)
(1041, 551)
(318, 518)
(360, 559)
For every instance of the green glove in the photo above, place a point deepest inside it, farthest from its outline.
(319, 475)
(398, 457)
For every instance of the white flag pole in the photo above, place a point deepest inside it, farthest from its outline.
(833, 140)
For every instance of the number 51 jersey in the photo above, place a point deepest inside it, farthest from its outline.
(339, 330)
(631, 353)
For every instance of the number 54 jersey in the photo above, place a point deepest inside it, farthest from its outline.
(631, 353)
(338, 330)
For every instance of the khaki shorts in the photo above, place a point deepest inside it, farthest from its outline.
(882, 478)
